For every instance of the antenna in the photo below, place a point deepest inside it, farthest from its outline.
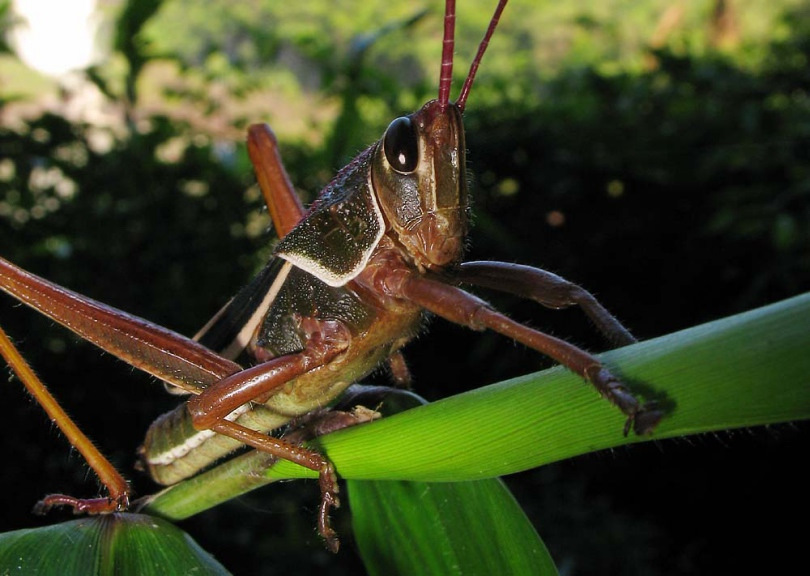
(465, 89)
(448, 43)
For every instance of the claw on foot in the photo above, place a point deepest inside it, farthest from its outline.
(642, 419)
(83, 505)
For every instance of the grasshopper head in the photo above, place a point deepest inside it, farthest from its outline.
(418, 170)
(419, 175)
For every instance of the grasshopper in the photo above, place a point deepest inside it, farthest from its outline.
(350, 283)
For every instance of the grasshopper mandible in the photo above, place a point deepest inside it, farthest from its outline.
(349, 284)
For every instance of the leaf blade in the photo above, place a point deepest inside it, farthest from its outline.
(465, 528)
(746, 370)
(120, 544)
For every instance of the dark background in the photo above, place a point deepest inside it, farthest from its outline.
(684, 196)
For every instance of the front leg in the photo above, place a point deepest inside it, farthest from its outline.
(548, 289)
(463, 308)
(325, 340)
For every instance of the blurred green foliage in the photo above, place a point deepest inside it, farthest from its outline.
(6, 22)
(671, 181)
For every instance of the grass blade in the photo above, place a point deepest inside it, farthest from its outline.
(448, 529)
(745, 370)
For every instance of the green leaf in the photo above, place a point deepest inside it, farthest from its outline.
(444, 529)
(119, 544)
(745, 370)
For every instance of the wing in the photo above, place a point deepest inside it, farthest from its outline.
(233, 326)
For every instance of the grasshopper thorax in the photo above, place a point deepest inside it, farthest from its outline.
(418, 173)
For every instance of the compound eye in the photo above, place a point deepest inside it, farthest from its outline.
(401, 145)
